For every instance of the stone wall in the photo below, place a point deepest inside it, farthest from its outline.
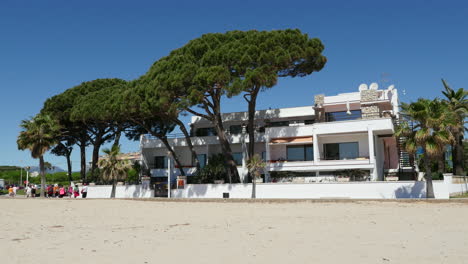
(319, 100)
(369, 95)
(370, 111)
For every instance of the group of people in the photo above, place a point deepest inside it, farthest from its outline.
(60, 191)
(52, 191)
(12, 190)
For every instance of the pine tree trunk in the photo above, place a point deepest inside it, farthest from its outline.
(251, 125)
(83, 161)
(428, 176)
(43, 176)
(69, 166)
(189, 142)
(233, 173)
(118, 135)
(95, 157)
(174, 156)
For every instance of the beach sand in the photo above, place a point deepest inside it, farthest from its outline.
(131, 231)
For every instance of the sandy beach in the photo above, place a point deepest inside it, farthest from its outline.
(128, 231)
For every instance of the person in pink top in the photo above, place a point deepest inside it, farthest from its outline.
(61, 192)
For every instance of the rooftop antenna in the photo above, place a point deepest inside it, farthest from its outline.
(374, 86)
(362, 87)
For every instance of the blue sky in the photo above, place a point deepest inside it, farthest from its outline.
(49, 46)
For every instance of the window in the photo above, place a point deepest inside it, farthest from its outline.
(235, 129)
(343, 115)
(160, 162)
(300, 152)
(264, 155)
(341, 151)
(237, 158)
(309, 122)
(202, 159)
(205, 131)
(278, 124)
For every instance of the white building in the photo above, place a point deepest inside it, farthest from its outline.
(349, 131)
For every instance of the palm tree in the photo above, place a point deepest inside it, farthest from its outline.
(255, 165)
(38, 135)
(457, 102)
(113, 169)
(432, 132)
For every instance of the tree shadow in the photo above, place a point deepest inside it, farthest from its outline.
(415, 190)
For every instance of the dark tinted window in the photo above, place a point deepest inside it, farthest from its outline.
(237, 158)
(160, 162)
(202, 160)
(343, 115)
(205, 131)
(340, 151)
(300, 153)
(235, 129)
(279, 124)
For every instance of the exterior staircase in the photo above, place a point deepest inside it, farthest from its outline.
(405, 160)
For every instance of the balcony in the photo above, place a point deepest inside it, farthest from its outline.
(322, 165)
(149, 141)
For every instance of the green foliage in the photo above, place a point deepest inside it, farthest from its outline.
(13, 177)
(255, 165)
(214, 170)
(433, 122)
(112, 168)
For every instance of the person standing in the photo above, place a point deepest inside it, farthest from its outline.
(14, 190)
(70, 191)
(61, 191)
(33, 190)
(10, 191)
(84, 190)
(76, 191)
(28, 191)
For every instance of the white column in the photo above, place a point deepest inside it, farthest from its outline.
(245, 155)
(169, 176)
(316, 148)
(370, 134)
(267, 159)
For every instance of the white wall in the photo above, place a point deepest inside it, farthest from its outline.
(122, 191)
(133, 191)
(354, 190)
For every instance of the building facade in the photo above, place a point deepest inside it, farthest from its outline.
(337, 136)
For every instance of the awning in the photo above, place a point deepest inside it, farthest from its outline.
(291, 140)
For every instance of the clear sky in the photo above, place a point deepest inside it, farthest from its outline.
(49, 46)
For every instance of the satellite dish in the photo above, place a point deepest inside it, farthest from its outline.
(391, 87)
(362, 87)
(374, 86)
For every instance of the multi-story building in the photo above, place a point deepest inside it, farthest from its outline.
(348, 131)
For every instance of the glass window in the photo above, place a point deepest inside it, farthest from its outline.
(237, 158)
(202, 159)
(279, 124)
(349, 150)
(341, 151)
(300, 153)
(235, 129)
(264, 155)
(309, 152)
(160, 162)
(343, 115)
(309, 122)
(205, 131)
